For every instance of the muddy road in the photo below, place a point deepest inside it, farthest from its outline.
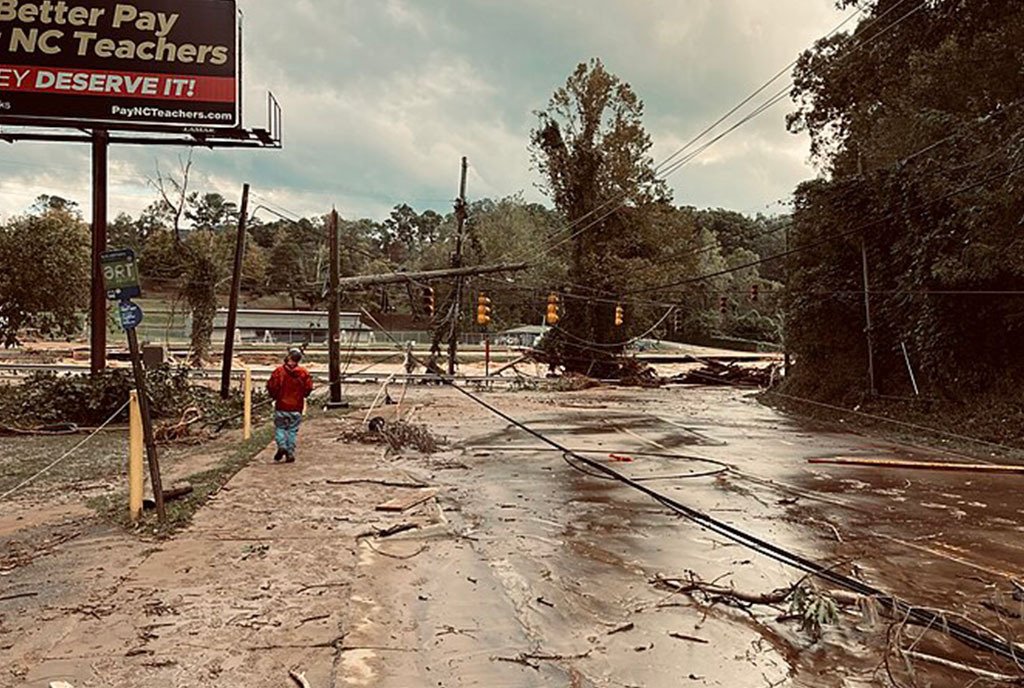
(524, 570)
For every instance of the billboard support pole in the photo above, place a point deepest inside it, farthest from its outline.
(236, 287)
(98, 309)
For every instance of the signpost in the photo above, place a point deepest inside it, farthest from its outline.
(121, 281)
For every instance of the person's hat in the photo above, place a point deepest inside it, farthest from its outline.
(295, 354)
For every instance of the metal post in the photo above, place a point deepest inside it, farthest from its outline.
(910, 369)
(867, 317)
(460, 216)
(98, 304)
(487, 355)
(147, 426)
(334, 316)
(236, 287)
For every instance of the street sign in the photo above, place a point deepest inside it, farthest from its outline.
(121, 274)
(131, 315)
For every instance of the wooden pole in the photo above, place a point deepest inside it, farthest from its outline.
(867, 317)
(920, 465)
(98, 302)
(236, 288)
(135, 449)
(334, 316)
(460, 216)
(247, 405)
(147, 425)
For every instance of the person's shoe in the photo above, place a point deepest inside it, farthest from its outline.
(281, 453)
(289, 458)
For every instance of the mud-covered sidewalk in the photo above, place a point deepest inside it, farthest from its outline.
(514, 568)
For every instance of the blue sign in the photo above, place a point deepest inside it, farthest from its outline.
(131, 315)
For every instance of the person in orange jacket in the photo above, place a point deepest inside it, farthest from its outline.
(289, 385)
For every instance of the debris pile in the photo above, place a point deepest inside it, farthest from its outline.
(731, 374)
(397, 435)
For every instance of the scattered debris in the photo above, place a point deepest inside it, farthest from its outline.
(920, 465)
(18, 596)
(387, 532)
(623, 628)
(400, 504)
(397, 435)
(541, 600)
(533, 660)
(376, 481)
(258, 551)
(730, 374)
(688, 638)
(300, 679)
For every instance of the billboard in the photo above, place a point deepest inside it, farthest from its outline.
(140, 64)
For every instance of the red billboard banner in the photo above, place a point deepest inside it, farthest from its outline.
(159, 64)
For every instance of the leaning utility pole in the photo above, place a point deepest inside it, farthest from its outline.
(867, 296)
(460, 217)
(334, 317)
(236, 288)
(867, 315)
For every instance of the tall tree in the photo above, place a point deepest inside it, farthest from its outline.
(917, 126)
(592, 151)
(44, 273)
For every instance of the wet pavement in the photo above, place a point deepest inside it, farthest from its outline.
(525, 571)
(552, 559)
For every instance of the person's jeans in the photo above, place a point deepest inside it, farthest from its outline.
(286, 429)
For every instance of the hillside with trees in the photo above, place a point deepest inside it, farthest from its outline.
(918, 138)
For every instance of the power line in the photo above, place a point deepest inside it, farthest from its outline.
(774, 99)
(813, 244)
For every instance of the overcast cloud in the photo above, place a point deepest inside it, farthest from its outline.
(382, 97)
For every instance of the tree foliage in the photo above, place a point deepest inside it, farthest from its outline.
(918, 133)
(44, 280)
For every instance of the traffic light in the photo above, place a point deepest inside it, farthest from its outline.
(552, 310)
(723, 304)
(619, 316)
(483, 310)
(428, 301)
(754, 290)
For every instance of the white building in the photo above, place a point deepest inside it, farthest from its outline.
(289, 327)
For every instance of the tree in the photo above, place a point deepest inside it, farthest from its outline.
(917, 129)
(44, 273)
(592, 152)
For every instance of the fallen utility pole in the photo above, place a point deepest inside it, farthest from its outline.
(921, 465)
(367, 281)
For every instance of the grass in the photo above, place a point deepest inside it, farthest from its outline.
(103, 458)
(204, 485)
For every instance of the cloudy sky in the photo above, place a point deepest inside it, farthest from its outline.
(381, 98)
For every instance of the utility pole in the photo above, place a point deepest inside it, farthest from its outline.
(867, 296)
(334, 317)
(460, 216)
(236, 288)
(867, 316)
(98, 307)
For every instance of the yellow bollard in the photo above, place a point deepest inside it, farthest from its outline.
(247, 406)
(135, 474)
